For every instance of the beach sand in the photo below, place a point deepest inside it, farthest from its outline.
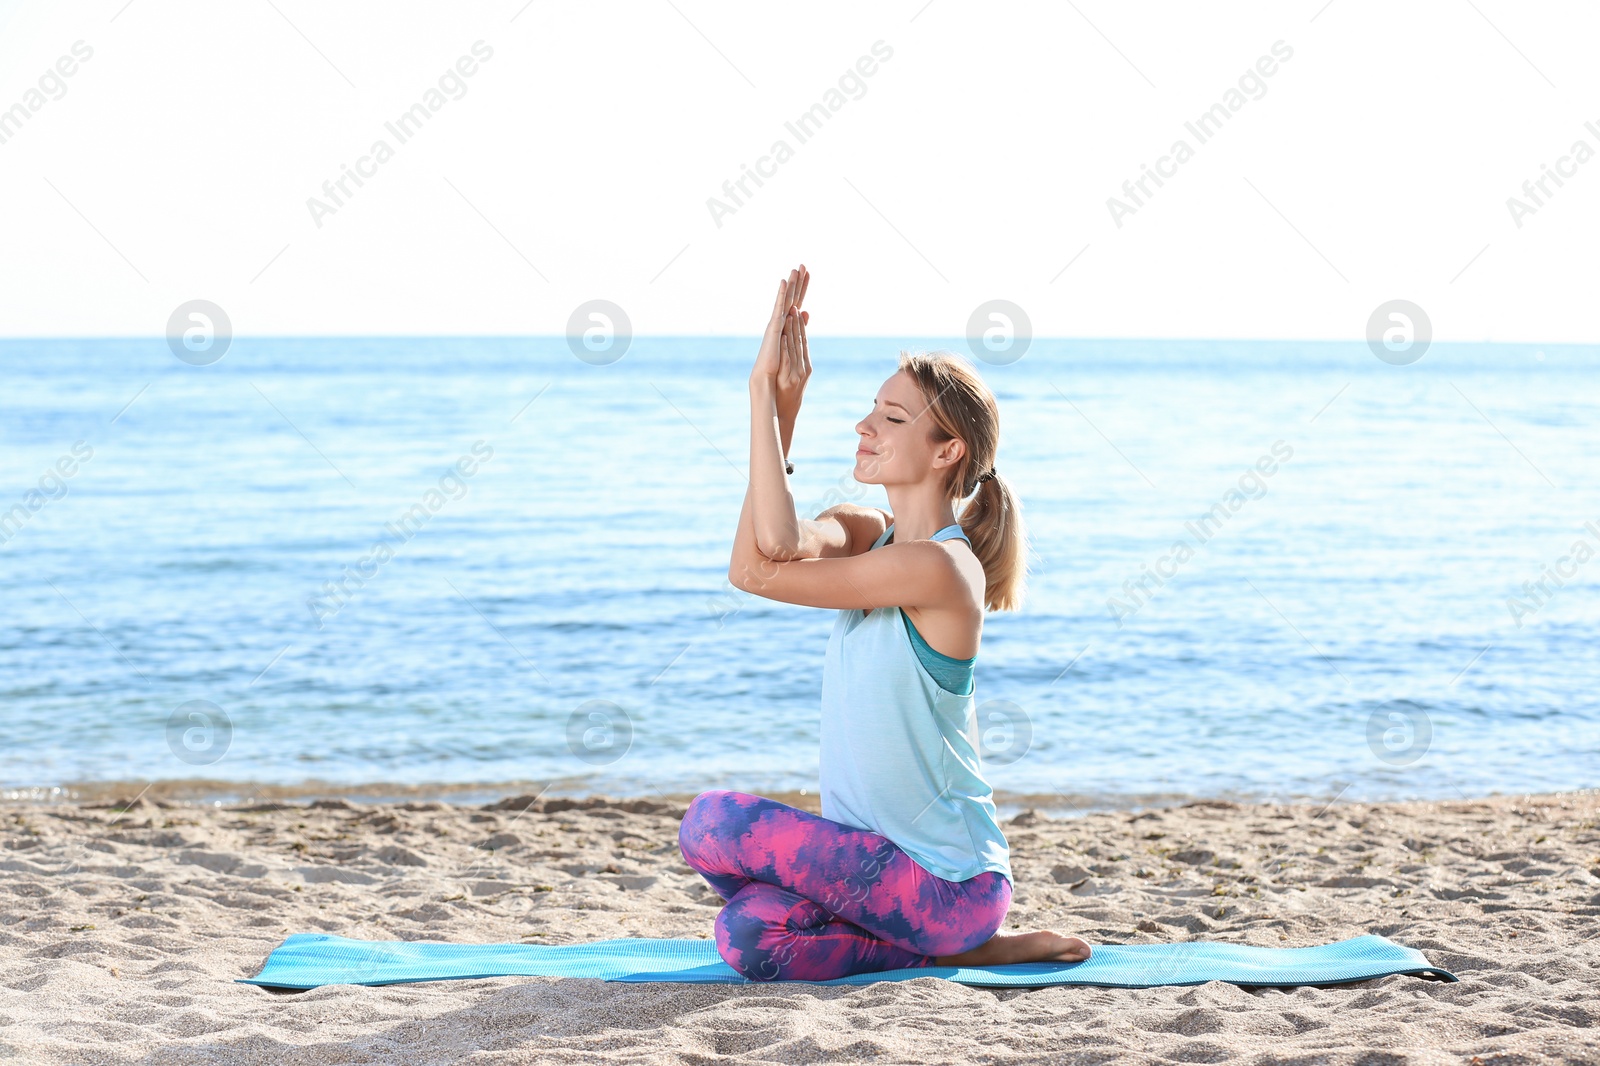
(122, 932)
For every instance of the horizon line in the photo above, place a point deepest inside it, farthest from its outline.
(161, 338)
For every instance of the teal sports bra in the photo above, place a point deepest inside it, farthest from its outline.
(953, 675)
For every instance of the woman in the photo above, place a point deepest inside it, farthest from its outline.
(907, 866)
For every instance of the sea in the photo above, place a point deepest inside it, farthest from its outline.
(473, 567)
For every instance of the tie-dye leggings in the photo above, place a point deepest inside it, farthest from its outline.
(811, 899)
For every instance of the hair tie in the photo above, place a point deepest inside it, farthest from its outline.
(986, 477)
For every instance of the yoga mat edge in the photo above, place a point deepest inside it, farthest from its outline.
(310, 960)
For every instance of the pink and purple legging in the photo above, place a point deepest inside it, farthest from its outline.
(811, 899)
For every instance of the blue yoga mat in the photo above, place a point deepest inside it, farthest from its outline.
(308, 960)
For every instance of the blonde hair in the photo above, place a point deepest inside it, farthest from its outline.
(962, 406)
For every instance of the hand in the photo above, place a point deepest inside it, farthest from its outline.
(769, 359)
(794, 358)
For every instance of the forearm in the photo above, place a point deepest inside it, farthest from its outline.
(776, 525)
(747, 564)
(786, 430)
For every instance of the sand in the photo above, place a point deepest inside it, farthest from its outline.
(122, 931)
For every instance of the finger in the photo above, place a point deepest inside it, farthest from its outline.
(805, 347)
(779, 303)
(787, 296)
(805, 283)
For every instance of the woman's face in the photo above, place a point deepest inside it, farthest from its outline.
(894, 445)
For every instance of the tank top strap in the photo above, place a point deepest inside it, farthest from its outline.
(952, 530)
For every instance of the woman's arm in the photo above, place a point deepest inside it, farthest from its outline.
(779, 532)
(916, 574)
(777, 382)
(749, 567)
(772, 504)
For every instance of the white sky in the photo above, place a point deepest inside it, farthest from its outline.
(976, 166)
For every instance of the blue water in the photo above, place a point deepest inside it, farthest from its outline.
(1345, 632)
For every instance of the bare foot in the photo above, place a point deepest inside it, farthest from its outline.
(1003, 948)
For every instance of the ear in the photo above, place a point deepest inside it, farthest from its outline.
(952, 452)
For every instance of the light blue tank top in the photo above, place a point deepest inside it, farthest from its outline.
(900, 752)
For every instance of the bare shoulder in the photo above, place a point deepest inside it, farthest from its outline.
(862, 525)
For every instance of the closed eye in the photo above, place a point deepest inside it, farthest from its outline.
(897, 421)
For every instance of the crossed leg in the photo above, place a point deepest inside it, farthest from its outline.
(809, 898)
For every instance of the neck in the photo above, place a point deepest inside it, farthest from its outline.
(918, 515)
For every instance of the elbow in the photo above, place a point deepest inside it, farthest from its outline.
(739, 570)
(749, 573)
(779, 545)
(769, 550)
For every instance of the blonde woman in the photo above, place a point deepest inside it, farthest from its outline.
(907, 866)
